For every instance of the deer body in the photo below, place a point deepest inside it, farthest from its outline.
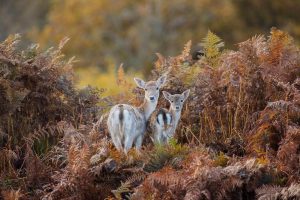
(127, 124)
(163, 123)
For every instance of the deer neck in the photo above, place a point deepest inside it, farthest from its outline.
(147, 108)
(175, 115)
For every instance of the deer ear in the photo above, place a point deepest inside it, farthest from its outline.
(161, 80)
(140, 83)
(167, 95)
(186, 94)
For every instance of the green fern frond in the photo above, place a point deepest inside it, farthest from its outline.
(157, 159)
(221, 160)
(212, 45)
(163, 155)
(176, 148)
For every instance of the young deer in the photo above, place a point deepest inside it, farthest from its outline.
(126, 123)
(163, 123)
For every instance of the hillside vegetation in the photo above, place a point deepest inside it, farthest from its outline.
(238, 138)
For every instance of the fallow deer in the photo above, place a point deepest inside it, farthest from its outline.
(126, 123)
(163, 122)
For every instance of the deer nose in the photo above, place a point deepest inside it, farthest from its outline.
(151, 98)
(177, 107)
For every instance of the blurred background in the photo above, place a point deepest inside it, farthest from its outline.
(106, 33)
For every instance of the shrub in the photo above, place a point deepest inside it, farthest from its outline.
(37, 93)
(239, 128)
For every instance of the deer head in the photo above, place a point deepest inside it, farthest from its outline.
(151, 88)
(176, 100)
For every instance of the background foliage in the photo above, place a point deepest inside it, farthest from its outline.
(107, 33)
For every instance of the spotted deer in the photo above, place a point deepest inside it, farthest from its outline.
(163, 122)
(126, 123)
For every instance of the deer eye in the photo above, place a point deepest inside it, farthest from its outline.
(157, 88)
(145, 89)
(172, 101)
(181, 100)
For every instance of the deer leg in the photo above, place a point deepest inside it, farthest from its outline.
(138, 142)
(117, 141)
(127, 144)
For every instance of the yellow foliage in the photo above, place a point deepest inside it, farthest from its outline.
(221, 160)
(108, 80)
(212, 44)
(263, 160)
(129, 30)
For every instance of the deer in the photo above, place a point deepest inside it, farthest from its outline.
(163, 122)
(127, 123)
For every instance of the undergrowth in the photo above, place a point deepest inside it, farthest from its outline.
(238, 138)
